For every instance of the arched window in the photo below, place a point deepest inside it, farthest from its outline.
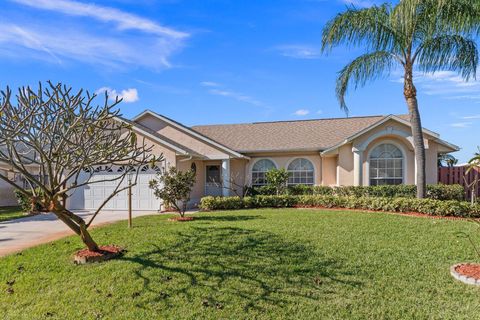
(258, 172)
(301, 172)
(386, 165)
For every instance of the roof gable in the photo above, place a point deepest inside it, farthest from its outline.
(214, 145)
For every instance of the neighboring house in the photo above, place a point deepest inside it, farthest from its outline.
(346, 151)
(7, 196)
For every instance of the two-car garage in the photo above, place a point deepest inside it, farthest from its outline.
(103, 182)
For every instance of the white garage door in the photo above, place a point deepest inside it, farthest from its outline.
(93, 195)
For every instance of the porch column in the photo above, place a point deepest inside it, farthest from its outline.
(357, 167)
(226, 177)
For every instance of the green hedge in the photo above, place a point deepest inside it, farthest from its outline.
(437, 192)
(426, 206)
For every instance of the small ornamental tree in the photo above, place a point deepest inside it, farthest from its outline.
(174, 188)
(278, 179)
(55, 140)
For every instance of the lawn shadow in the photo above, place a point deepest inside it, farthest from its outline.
(255, 269)
(227, 218)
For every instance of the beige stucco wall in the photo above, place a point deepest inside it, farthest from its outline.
(329, 171)
(168, 155)
(181, 137)
(431, 155)
(345, 165)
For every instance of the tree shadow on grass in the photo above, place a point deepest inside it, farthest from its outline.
(253, 269)
(227, 218)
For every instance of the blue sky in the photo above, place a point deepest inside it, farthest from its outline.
(222, 61)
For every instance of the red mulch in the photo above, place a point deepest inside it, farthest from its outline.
(104, 250)
(409, 214)
(181, 219)
(470, 270)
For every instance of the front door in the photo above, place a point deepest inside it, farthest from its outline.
(213, 184)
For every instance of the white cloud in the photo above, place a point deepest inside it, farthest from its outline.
(210, 84)
(120, 52)
(237, 96)
(123, 20)
(477, 116)
(128, 95)
(446, 84)
(320, 112)
(299, 51)
(301, 112)
(217, 89)
(461, 124)
(96, 42)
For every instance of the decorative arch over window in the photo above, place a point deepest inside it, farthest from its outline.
(259, 169)
(386, 165)
(301, 172)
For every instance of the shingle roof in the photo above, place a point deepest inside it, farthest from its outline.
(288, 135)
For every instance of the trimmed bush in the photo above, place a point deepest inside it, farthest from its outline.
(436, 192)
(427, 206)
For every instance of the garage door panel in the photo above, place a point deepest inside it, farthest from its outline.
(93, 195)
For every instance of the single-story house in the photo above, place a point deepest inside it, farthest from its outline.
(371, 150)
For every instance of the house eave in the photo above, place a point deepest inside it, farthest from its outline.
(230, 152)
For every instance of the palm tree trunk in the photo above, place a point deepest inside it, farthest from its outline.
(410, 93)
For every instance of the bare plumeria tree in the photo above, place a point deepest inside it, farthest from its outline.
(56, 140)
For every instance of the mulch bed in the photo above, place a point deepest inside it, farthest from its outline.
(408, 214)
(467, 273)
(106, 253)
(181, 219)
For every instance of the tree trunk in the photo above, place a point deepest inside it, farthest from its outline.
(87, 238)
(410, 93)
(77, 225)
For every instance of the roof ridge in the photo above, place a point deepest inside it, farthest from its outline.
(287, 121)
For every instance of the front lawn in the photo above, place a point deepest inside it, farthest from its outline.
(255, 264)
(10, 213)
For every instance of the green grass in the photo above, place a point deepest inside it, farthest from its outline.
(256, 264)
(10, 213)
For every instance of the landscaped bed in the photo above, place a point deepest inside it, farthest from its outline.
(263, 264)
(10, 213)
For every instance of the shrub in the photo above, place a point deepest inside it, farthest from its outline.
(446, 192)
(427, 206)
(277, 178)
(436, 192)
(26, 202)
(174, 188)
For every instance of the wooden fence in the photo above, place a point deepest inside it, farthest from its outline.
(458, 175)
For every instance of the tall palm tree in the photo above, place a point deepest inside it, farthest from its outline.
(414, 35)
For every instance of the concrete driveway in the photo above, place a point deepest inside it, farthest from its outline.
(27, 232)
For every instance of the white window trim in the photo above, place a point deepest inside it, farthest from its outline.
(404, 162)
(309, 160)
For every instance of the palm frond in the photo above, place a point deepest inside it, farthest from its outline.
(448, 52)
(365, 68)
(357, 27)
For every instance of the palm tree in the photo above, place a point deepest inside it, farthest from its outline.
(416, 35)
(446, 160)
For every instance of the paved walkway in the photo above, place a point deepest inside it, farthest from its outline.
(27, 232)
